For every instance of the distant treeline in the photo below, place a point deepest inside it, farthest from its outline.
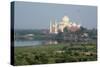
(43, 34)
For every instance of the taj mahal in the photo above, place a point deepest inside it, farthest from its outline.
(55, 27)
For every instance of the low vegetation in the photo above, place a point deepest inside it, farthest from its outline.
(59, 53)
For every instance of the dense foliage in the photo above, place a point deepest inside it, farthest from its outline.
(59, 53)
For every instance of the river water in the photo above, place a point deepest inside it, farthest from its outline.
(21, 43)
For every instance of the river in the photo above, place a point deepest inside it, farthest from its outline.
(21, 43)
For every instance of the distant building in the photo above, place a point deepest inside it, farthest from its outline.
(65, 23)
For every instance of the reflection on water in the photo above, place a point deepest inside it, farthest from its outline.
(20, 43)
(51, 42)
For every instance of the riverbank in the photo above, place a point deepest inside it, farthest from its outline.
(55, 53)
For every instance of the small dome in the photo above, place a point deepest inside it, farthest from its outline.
(65, 18)
(74, 24)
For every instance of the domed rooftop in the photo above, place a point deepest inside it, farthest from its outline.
(65, 19)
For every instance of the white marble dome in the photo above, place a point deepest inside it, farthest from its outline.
(65, 19)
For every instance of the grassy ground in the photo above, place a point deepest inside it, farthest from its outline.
(59, 53)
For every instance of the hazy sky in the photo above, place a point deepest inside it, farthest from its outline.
(38, 15)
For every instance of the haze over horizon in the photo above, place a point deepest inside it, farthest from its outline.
(30, 15)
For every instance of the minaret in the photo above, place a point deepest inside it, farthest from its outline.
(50, 27)
(53, 27)
(56, 28)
